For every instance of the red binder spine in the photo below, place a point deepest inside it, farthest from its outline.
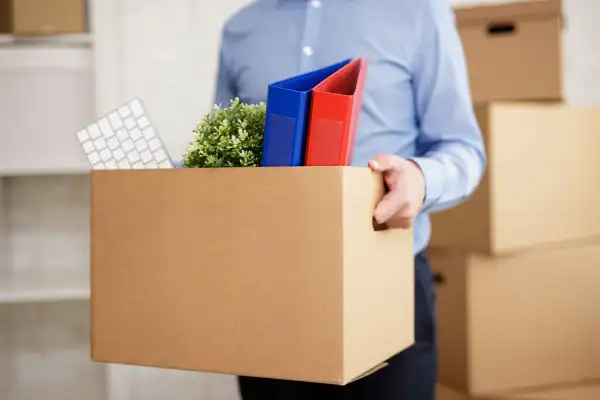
(334, 116)
(329, 126)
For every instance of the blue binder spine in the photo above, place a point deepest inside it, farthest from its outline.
(288, 108)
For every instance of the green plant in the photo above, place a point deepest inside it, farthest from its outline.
(230, 136)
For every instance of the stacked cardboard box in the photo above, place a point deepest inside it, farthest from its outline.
(42, 17)
(517, 261)
(582, 391)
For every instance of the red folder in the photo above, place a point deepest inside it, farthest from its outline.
(335, 109)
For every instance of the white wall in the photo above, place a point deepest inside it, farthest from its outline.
(164, 52)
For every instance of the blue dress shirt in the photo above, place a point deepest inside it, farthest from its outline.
(417, 102)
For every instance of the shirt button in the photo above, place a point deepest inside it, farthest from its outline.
(308, 51)
(316, 3)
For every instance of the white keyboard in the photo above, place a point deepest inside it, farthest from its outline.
(124, 139)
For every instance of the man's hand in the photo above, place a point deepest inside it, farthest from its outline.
(406, 184)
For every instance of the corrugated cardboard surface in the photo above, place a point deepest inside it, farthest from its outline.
(271, 272)
(540, 186)
(513, 51)
(521, 321)
(42, 17)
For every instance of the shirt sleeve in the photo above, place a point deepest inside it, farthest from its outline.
(451, 150)
(224, 88)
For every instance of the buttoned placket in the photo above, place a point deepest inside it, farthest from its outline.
(312, 27)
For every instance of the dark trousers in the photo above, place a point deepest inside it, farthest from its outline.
(410, 375)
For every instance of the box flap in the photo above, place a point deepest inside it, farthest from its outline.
(522, 10)
(370, 372)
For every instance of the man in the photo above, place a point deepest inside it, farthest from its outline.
(417, 128)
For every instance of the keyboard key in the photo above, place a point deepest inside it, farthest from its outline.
(141, 145)
(111, 164)
(124, 164)
(127, 145)
(133, 156)
(100, 143)
(160, 155)
(115, 120)
(122, 135)
(105, 127)
(136, 108)
(94, 131)
(118, 154)
(83, 136)
(143, 122)
(105, 155)
(88, 147)
(113, 143)
(124, 111)
(154, 144)
(146, 156)
(149, 133)
(135, 134)
(94, 157)
(130, 123)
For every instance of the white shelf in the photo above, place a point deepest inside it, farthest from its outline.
(45, 354)
(33, 286)
(20, 171)
(47, 96)
(68, 39)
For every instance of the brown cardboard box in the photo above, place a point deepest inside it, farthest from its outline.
(42, 17)
(514, 50)
(583, 391)
(540, 186)
(270, 272)
(513, 322)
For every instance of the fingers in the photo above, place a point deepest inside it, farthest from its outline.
(388, 207)
(384, 163)
(400, 223)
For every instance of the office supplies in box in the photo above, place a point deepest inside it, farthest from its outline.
(270, 272)
(335, 110)
(124, 139)
(288, 108)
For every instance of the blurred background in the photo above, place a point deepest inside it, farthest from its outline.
(63, 63)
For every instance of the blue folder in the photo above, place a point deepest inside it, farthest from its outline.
(288, 107)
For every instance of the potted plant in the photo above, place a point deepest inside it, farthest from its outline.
(230, 136)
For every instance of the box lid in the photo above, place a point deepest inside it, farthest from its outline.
(519, 10)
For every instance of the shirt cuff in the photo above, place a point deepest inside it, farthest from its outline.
(433, 172)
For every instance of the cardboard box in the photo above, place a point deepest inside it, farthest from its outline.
(268, 272)
(513, 322)
(540, 186)
(42, 17)
(582, 391)
(514, 50)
